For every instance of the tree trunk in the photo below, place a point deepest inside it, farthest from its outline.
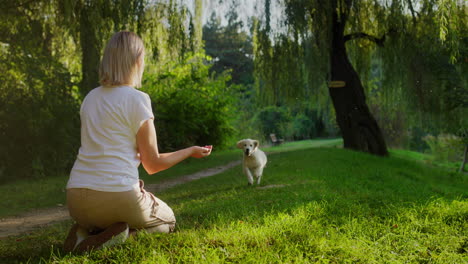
(90, 48)
(462, 166)
(358, 127)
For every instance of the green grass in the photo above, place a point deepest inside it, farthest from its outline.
(410, 155)
(305, 144)
(223, 157)
(425, 158)
(25, 195)
(325, 205)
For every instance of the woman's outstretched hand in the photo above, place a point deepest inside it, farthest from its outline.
(201, 152)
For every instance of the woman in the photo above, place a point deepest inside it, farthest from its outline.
(104, 194)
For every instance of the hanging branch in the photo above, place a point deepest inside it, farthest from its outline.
(378, 41)
(413, 13)
(8, 8)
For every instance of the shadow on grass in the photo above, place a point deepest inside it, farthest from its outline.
(353, 184)
(346, 185)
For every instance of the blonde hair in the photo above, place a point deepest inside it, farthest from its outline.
(123, 60)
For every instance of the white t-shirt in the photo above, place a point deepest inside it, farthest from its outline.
(110, 118)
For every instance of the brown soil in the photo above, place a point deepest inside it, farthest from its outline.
(36, 219)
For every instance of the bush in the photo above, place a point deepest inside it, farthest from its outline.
(293, 124)
(39, 131)
(309, 123)
(445, 147)
(393, 124)
(273, 119)
(416, 141)
(245, 112)
(191, 107)
(302, 127)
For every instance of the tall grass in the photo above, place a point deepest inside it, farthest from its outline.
(323, 205)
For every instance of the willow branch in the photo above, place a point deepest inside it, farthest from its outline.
(376, 40)
(9, 7)
(413, 13)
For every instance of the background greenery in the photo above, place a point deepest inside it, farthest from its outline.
(229, 77)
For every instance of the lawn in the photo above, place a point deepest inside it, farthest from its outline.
(24, 195)
(322, 204)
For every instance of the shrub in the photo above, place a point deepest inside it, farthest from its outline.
(293, 123)
(191, 107)
(445, 147)
(245, 112)
(309, 123)
(39, 128)
(273, 119)
(393, 123)
(303, 127)
(415, 139)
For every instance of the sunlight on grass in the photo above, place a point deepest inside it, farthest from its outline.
(325, 205)
(219, 158)
(24, 195)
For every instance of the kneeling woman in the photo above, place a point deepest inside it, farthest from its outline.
(105, 196)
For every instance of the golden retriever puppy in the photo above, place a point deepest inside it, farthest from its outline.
(254, 159)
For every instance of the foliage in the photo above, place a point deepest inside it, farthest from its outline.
(298, 123)
(191, 107)
(415, 141)
(91, 23)
(169, 30)
(287, 72)
(419, 76)
(410, 55)
(245, 112)
(445, 147)
(393, 123)
(302, 127)
(50, 48)
(230, 47)
(272, 119)
(306, 124)
(40, 126)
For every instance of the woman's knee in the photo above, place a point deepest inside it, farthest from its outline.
(163, 228)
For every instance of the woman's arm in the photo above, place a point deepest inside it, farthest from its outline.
(152, 160)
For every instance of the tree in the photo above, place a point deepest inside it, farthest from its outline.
(359, 128)
(333, 26)
(49, 56)
(230, 47)
(162, 24)
(91, 23)
(38, 109)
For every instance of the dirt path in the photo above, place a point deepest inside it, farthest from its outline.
(40, 218)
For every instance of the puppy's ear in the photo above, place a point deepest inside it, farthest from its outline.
(240, 144)
(256, 144)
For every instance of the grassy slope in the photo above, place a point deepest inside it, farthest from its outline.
(425, 158)
(329, 205)
(24, 195)
(223, 157)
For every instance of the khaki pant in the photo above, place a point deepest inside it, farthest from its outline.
(140, 209)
